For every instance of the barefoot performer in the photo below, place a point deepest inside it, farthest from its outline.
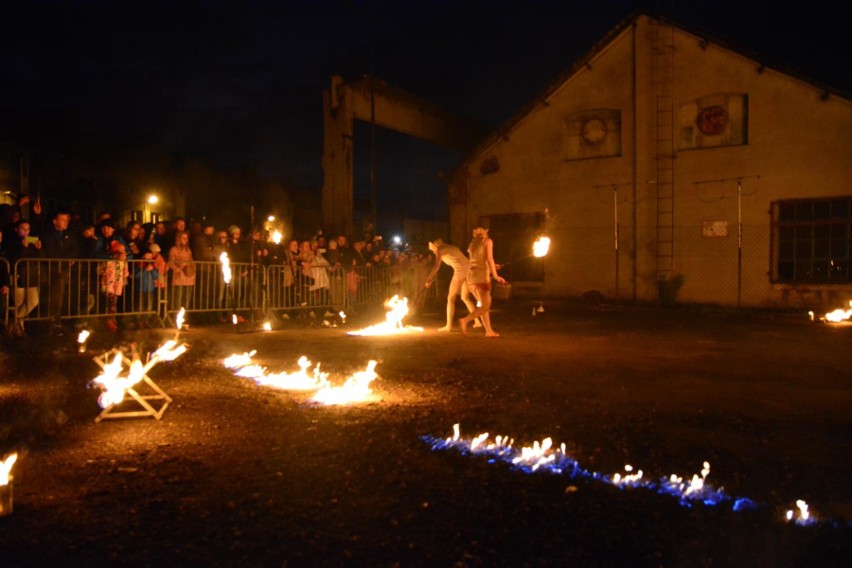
(453, 257)
(482, 269)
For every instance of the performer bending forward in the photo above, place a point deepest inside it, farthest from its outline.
(482, 269)
(453, 257)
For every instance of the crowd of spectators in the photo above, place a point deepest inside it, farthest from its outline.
(169, 258)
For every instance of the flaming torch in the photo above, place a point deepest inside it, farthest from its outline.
(6, 484)
(81, 340)
(226, 268)
(181, 316)
(226, 278)
(541, 246)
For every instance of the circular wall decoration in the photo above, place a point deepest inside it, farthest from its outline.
(712, 120)
(594, 131)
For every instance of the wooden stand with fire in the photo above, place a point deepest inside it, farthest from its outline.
(143, 399)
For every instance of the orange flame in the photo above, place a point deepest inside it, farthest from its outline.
(236, 361)
(839, 314)
(393, 320)
(226, 267)
(6, 468)
(355, 389)
(541, 246)
(115, 386)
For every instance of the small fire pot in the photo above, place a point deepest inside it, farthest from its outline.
(6, 499)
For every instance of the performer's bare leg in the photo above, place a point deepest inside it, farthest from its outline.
(456, 285)
(484, 299)
(471, 305)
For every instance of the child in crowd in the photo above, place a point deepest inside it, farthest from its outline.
(114, 274)
(161, 280)
(146, 276)
(352, 278)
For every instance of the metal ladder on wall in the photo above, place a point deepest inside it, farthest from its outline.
(664, 151)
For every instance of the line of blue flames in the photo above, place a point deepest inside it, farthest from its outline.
(556, 461)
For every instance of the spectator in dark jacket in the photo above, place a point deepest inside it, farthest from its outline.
(58, 243)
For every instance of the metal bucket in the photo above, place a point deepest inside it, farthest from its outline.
(6, 499)
(501, 291)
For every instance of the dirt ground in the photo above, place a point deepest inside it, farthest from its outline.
(240, 475)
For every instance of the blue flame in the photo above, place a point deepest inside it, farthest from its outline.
(556, 461)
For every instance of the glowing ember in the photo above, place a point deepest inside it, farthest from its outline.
(541, 246)
(276, 237)
(393, 320)
(6, 468)
(180, 318)
(267, 326)
(234, 319)
(839, 314)
(355, 389)
(226, 267)
(236, 361)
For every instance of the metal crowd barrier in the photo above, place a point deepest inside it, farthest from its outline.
(62, 289)
(7, 300)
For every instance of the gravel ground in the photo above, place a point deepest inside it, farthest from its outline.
(236, 474)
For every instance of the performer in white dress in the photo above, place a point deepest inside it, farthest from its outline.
(453, 257)
(480, 272)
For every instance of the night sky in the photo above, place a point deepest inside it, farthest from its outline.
(157, 85)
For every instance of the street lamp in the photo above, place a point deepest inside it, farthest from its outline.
(152, 200)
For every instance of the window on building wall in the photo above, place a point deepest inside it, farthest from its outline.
(812, 240)
(595, 133)
(513, 235)
(712, 121)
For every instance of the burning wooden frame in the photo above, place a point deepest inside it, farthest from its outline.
(117, 388)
